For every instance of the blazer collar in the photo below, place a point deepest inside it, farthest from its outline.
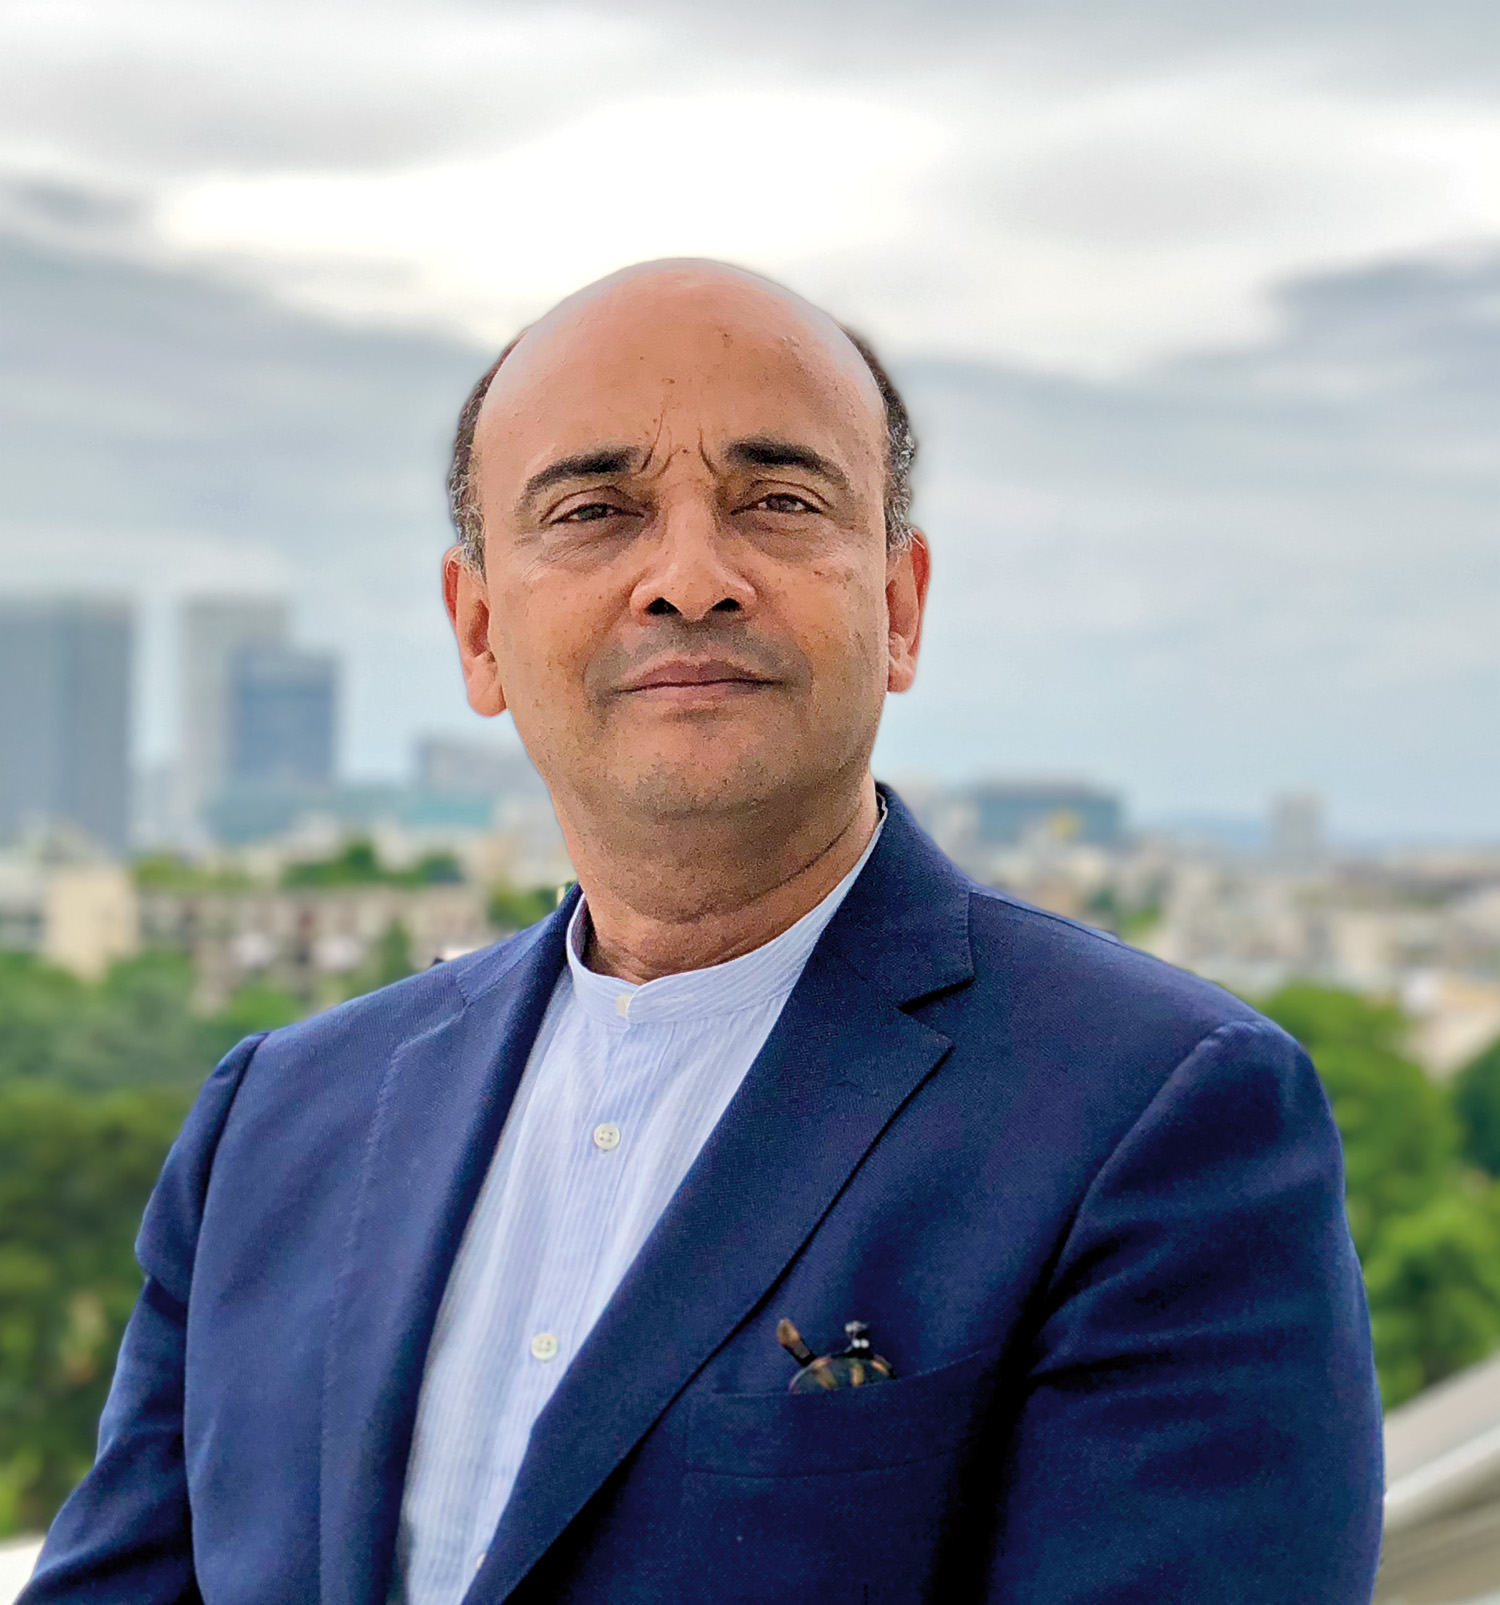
(905, 923)
(841, 1061)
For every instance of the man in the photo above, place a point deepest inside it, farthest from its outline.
(472, 1289)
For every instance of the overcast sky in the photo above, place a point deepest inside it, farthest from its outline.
(1200, 314)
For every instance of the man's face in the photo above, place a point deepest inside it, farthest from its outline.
(687, 602)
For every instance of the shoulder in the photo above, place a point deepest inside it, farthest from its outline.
(380, 1021)
(1058, 965)
(322, 1075)
(1087, 1023)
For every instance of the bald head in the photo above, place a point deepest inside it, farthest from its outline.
(706, 313)
(685, 569)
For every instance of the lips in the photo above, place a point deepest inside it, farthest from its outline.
(694, 672)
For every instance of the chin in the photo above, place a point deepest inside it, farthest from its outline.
(682, 788)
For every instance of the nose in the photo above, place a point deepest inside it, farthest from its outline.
(691, 570)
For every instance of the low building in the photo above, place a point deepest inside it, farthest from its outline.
(90, 918)
(61, 901)
(302, 939)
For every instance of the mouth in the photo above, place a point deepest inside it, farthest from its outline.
(695, 679)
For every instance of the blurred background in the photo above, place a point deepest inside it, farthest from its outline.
(1197, 310)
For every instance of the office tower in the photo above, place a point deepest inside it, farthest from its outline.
(1064, 811)
(281, 718)
(65, 713)
(1297, 839)
(214, 631)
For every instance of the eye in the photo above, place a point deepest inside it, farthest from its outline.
(589, 513)
(782, 501)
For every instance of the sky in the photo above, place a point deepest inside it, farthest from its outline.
(1198, 315)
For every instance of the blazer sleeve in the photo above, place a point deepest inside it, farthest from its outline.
(1202, 1421)
(125, 1533)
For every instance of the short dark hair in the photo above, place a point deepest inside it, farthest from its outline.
(900, 454)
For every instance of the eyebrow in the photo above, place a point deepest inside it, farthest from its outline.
(764, 451)
(583, 465)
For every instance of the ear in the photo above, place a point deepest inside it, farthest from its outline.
(907, 573)
(467, 599)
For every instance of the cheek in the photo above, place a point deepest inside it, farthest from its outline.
(847, 623)
(542, 633)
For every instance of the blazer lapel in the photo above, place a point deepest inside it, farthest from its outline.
(437, 1119)
(840, 1062)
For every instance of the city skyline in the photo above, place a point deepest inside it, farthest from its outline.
(1194, 311)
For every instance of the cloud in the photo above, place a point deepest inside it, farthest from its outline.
(1063, 186)
(1197, 307)
(1237, 572)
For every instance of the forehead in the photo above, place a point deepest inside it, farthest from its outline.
(674, 360)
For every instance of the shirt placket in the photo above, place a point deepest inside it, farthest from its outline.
(565, 1285)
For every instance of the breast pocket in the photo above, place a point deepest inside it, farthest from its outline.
(851, 1429)
(848, 1495)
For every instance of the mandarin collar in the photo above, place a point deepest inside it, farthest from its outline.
(765, 974)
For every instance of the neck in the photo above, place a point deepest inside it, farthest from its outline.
(719, 889)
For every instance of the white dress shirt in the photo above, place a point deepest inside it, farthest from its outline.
(622, 1088)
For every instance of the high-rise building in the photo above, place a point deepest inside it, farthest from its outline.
(215, 630)
(1297, 839)
(1066, 811)
(282, 705)
(65, 714)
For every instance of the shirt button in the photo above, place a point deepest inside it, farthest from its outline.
(622, 1003)
(479, 1559)
(607, 1135)
(544, 1346)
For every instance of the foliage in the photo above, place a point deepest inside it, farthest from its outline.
(136, 1028)
(1400, 1138)
(390, 961)
(170, 872)
(1426, 1227)
(357, 864)
(1434, 1285)
(1130, 919)
(75, 1172)
(94, 1082)
(1476, 1101)
(256, 1007)
(511, 909)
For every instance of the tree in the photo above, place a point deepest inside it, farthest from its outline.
(1426, 1229)
(1400, 1138)
(512, 909)
(357, 864)
(1434, 1286)
(94, 1083)
(1476, 1101)
(36, 1001)
(389, 961)
(138, 1028)
(76, 1169)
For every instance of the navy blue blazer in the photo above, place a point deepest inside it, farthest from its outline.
(1090, 1206)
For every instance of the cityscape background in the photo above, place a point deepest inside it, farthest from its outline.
(1198, 316)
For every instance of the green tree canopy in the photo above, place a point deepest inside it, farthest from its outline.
(135, 1028)
(76, 1169)
(513, 909)
(1425, 1227)
(357, 864)
(1476, 1101)
(1434, 1284)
